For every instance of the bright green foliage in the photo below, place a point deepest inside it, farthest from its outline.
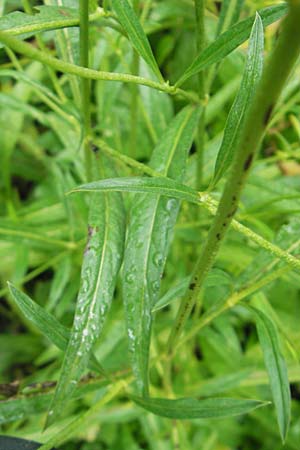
(149, 224)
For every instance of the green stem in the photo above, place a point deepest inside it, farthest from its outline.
(273, 79)
(66, 67)
(200, 41)
(85, 84)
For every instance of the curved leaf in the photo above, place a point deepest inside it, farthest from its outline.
(190, 408)
(101, 263)
(230, 40)
(236, 117)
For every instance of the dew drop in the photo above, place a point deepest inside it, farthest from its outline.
(130, 277)
(158, 259)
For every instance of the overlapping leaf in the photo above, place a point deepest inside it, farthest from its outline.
(101, 263)
(230, 40)
(243, 100)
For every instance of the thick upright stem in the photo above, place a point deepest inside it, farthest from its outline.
(85, 83)
(273, 79)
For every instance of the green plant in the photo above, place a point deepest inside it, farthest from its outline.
(146, 227)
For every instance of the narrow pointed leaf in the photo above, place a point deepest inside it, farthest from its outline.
(49, 326)
(157, 185)
(236, 117)
(101, 263)
(150, 228)
(131, 24)
(230, 40)
(190, 408)
(277, 369)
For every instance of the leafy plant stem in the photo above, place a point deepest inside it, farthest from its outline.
(273, 79)
(63, 66)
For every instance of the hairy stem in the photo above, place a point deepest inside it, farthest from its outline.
(273, 79)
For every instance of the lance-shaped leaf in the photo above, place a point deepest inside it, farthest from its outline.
(190, 408)
(157, 185)
(131, 24)
(276, 367)
(48, 325)
(101, 263)
(230, 40)
(150, 228)
(236, 117)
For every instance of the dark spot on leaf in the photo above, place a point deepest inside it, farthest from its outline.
(95, 149)
(248, 162)
(192, 286)
(90, 231)
(234, 198)
(218, 236)
(268, 114)
(198, 353)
